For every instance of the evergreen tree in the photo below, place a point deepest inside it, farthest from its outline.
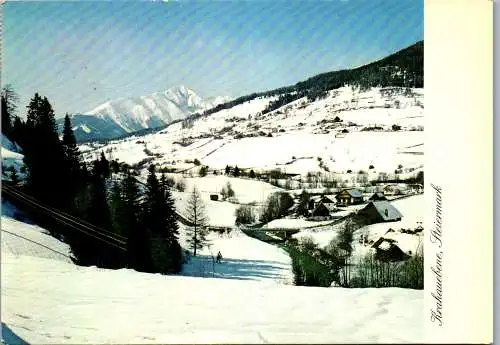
(160, 220)
(138, 243)
(98, 214)
(9, 100)
(104, 165)
(17, 131)
(115, 205)
(236, 171)
(196, 216)
(163, 182)
(303, 206)
(72, 156)
(44, 155)
(227, 170)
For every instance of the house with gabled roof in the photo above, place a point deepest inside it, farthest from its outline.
(323, 211)
(348, 197)
(378, 196)
(387, 249)
(380, 211)
(328, 199)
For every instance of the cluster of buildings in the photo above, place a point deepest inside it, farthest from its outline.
(372, 209)
(377, 207)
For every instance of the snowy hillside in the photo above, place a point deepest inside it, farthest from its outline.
(21, 239)
(117, 117)
(244, 258)
(377, 130)
(47, 299)
(101, 306)
(11, 159)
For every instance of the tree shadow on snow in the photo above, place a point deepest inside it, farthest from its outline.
(241, 269)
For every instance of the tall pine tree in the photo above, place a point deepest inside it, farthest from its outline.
(48, 175)
(160, 220)
(98, 214)
(72, 158)
(138, 237)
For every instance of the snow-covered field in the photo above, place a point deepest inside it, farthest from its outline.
(292, 223)
(222, 213)
(245, 190)
(47, 299)
(244, 258)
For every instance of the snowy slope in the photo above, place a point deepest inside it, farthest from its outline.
(11, 158)
(21, 239)
(87, 305)
(244, 258)
(46, 299)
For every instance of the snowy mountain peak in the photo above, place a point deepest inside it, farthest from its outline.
(126, 115)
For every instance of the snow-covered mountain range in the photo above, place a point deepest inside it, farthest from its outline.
(349, 130)
(118, 117)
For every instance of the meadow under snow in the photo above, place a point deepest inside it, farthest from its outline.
(47, 299)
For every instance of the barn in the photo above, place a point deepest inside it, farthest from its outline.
(379, 212)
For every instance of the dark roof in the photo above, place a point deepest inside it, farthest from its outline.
(353, 192)
(390, 251)
(385, 210)
(378, 196)
(320, 209)
(330, 207)
(326, 199)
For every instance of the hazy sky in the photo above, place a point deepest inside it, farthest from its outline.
(81, 54)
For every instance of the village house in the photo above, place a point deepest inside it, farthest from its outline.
(386, 249)
(323, 211)
(315, 200)
(396, 189)
(392, 190)
(377, 197)
(348, 197)
(380, 211)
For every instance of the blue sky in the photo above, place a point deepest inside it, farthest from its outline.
(81, 54)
